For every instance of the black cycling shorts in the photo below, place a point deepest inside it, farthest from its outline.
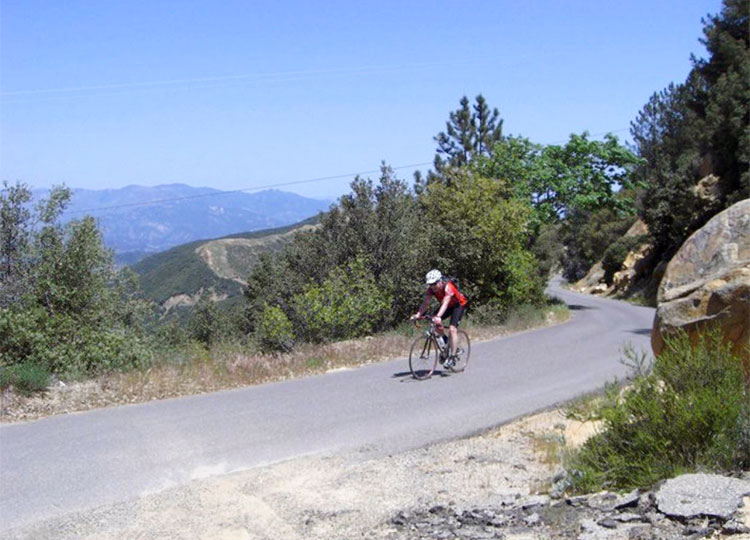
(455, 313)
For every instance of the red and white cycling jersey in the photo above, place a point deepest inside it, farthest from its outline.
(451, 290)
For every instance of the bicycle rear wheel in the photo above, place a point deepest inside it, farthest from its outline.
(463, 351)
(423, 357)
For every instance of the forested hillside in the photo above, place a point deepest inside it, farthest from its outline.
(217, 267)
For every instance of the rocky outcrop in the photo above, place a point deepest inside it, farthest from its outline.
(635, 266)
(708, 282)
(593, 281)
(691, 506)
(710, 191)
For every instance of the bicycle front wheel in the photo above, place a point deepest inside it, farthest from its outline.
(463, 350)
(423, 358)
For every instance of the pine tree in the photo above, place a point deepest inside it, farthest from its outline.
(470, 131)
(697, 128)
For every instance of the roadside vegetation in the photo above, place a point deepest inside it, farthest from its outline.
(688, 412)
(191, 367)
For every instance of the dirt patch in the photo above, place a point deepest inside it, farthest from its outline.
(330, 497)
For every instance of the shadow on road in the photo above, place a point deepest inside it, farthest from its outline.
(642, 331)
(405, 376)
(578, 307)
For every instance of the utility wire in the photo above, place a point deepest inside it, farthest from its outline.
(256, 188)
(281, 184)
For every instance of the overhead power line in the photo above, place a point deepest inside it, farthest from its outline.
(283, 184)
(32, 95)
(243, 190)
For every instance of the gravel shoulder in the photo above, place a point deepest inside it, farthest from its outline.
(337, 496)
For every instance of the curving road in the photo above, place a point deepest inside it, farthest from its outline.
(79, 461)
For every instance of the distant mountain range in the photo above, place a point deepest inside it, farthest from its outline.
(137, 221)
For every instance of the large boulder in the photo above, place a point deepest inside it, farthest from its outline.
(708, 281)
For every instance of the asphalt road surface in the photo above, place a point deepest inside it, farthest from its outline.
(74, 462)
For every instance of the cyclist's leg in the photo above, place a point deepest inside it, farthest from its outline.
(439, 328)
(456, 314)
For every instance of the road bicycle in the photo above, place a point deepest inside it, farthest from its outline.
(429, 349)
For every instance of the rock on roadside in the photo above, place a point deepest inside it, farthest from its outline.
(708, 281)
(702, 495)
(690, 506)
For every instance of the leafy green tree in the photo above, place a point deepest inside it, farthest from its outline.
(583, 175)
(14, 233)
(481, 235)
(378, 224)
(63, 306)
(514, 160)
(22, 243)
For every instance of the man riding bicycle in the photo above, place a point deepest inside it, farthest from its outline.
(452, 304)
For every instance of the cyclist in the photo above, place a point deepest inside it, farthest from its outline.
(452, 304)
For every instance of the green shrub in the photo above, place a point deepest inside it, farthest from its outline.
(347, 304)
(204, 323)
(691, 413)
(492, 313)
(524, 285)
(516, 318)
(26, 378)
(274, 331)
(61, 344)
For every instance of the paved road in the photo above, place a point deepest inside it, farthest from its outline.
(73, 462)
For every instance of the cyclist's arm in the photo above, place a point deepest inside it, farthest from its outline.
(425, 304)
(444, 305)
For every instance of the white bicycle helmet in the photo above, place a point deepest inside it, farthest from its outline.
(433, 276)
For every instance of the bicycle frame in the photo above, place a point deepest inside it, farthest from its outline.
(427, 349)
(432, 331)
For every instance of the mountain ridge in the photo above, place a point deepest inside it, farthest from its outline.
(137, 221)
(218, 267)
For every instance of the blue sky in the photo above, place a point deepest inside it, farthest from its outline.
(243, 94)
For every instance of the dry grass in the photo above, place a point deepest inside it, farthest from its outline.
(196, 371)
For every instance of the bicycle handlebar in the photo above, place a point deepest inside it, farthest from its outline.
(424, 317)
